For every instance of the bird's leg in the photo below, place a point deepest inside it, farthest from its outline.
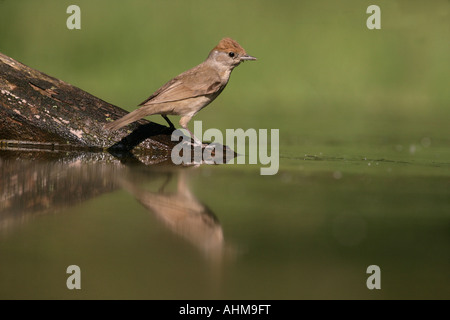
(166, 182)
(196, 140)
(168, 121)
(183, 123)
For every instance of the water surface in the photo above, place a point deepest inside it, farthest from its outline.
(157, 231)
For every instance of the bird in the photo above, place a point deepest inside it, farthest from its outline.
(191, 91)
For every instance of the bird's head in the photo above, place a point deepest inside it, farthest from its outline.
(229, 53)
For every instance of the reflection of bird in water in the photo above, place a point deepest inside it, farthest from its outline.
(183, 214)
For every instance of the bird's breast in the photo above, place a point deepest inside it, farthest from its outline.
(190, 106)
(225, 74)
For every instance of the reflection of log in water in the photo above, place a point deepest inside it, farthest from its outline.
(33, 183)
(31, 186)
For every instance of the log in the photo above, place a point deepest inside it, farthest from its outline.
(39, 110)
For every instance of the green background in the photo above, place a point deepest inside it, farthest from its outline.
(364, 132)
(319, 69)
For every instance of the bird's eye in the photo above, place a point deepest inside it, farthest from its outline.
(231, 54)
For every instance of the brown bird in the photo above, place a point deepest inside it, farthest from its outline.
(191, 91)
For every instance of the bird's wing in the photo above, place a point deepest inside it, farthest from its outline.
(198, 81)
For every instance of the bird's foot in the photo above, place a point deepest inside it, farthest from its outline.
(197, 143)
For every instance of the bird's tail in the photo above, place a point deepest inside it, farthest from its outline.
(127, 119)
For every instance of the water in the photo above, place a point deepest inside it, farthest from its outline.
(146, 230)
(364, 155)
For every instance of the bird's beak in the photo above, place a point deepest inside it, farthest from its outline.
(247, 57)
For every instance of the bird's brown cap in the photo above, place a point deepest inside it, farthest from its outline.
(228, 44)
